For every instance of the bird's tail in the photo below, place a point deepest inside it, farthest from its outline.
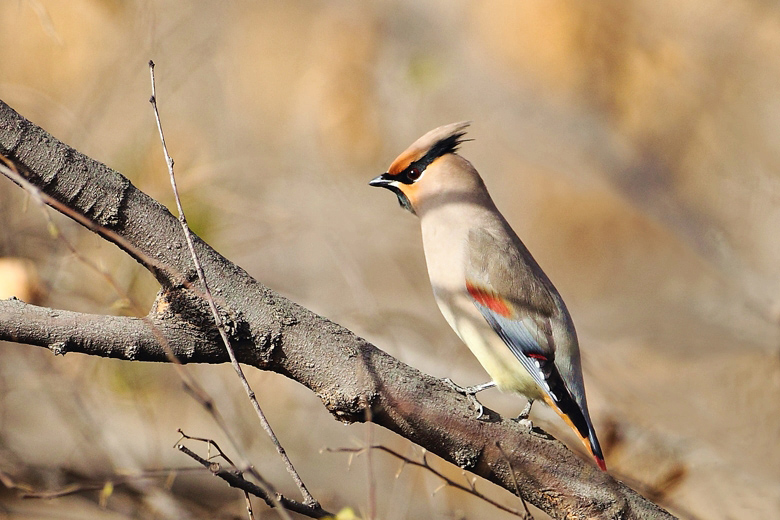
(572, 414)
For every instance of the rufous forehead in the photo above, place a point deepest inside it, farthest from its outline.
(404, 160)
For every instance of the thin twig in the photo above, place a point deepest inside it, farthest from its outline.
(528, 515)
(210, 443)
(371, 512)
(307, 497)
(236, 480)
(250, 513)
(27, 491)
(470, 489)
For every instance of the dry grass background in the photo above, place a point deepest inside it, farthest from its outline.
(632, 144)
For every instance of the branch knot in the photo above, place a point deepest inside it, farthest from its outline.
(59, 348)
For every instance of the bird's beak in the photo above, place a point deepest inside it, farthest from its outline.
(383, 181)
(387, 181)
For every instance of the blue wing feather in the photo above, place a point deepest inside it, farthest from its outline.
(522, 343)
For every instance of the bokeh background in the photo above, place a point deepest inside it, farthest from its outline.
(632, 144)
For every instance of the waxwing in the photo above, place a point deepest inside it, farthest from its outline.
(489, 288)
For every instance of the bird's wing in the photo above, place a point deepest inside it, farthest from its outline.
(503, 279)
(528, 337)
(521, 305)
(517, 300)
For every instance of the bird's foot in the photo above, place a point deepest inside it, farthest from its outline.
(523, 419)
(470, 392)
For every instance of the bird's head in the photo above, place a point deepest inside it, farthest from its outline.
(429, 167)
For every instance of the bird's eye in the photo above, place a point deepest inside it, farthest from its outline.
(414, 174)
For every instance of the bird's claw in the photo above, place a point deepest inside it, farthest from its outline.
(470, 392)
(523, 420)
(526, 423)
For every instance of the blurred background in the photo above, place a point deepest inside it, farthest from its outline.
(632, 145)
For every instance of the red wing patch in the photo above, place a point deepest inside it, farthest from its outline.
(534, 355)
(489, 300)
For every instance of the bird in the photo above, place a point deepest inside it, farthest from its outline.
(488, 287)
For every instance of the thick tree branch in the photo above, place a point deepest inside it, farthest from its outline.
(272, 333)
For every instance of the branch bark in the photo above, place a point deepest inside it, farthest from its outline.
(350, 376)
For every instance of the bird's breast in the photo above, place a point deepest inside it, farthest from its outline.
(445, 235)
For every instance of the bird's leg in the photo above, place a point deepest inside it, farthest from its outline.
(526, 411)
(470, 392)
(523, 417)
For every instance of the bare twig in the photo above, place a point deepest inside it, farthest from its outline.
(210, 443)
(28, 491)
(528, 515)
(371, 512)
(236, 480)
(469, 488)
(250, 513)
(307, 497)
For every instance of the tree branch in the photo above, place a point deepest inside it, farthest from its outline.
(347, 373)
(131, 339)
(236, 480)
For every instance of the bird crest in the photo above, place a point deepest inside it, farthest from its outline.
(436, 143)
